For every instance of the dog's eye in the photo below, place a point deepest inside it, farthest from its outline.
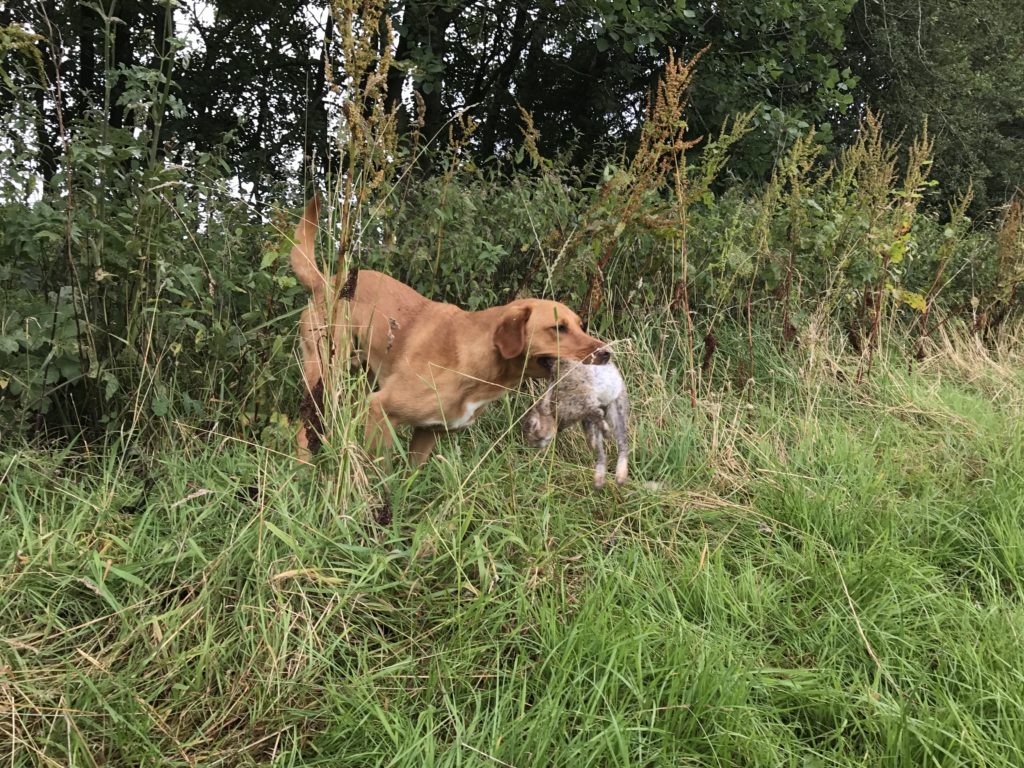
(561, 328)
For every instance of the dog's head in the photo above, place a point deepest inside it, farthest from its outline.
(543, 331)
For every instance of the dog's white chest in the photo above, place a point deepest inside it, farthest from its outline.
(468, 414)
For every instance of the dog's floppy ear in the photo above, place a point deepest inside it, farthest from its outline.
(510, 336)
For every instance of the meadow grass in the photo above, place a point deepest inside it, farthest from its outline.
(808, 571)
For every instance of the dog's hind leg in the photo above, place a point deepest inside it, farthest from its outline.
(311, 426)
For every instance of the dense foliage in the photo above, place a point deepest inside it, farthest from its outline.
(139, 285)
(818, 559)
(146, 275)
(260, 78)
(959, 64)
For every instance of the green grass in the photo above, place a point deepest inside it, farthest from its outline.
(822, 573)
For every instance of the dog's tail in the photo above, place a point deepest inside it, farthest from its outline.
(303, 252)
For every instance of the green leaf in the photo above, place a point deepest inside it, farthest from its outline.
(111, 384)
(286, 538)
(131, 578)
(270, 257)
(160, 406)
(913, 300)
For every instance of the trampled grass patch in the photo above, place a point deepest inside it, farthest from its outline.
(808, 572)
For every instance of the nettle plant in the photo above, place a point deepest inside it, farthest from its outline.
(131, 286)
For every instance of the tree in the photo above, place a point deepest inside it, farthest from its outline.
(958, 64)
(584, 68)
(252, 78)
(249, 79)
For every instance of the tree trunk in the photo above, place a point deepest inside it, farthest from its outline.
(162, 25)
(124, 56)
(396, 82)
(90, 94)
(317, 141)
(435, 26)
(497, 88)
(46, 127)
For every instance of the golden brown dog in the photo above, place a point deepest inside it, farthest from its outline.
(434, 365)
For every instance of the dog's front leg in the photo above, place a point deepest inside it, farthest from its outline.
(379, 431)
(423, 441)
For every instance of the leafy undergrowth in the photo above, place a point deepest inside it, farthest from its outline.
(811, 572)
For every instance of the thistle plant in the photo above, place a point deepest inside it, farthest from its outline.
(952, 237)
(367, 143)
(1004, 293)
(652, 193)
(896, 220)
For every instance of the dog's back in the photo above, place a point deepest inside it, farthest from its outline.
(435, 365)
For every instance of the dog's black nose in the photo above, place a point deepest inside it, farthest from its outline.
(602, 356)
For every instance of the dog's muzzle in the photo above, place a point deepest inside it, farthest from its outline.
(598, 357)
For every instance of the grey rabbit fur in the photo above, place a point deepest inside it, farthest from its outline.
(592, 395)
